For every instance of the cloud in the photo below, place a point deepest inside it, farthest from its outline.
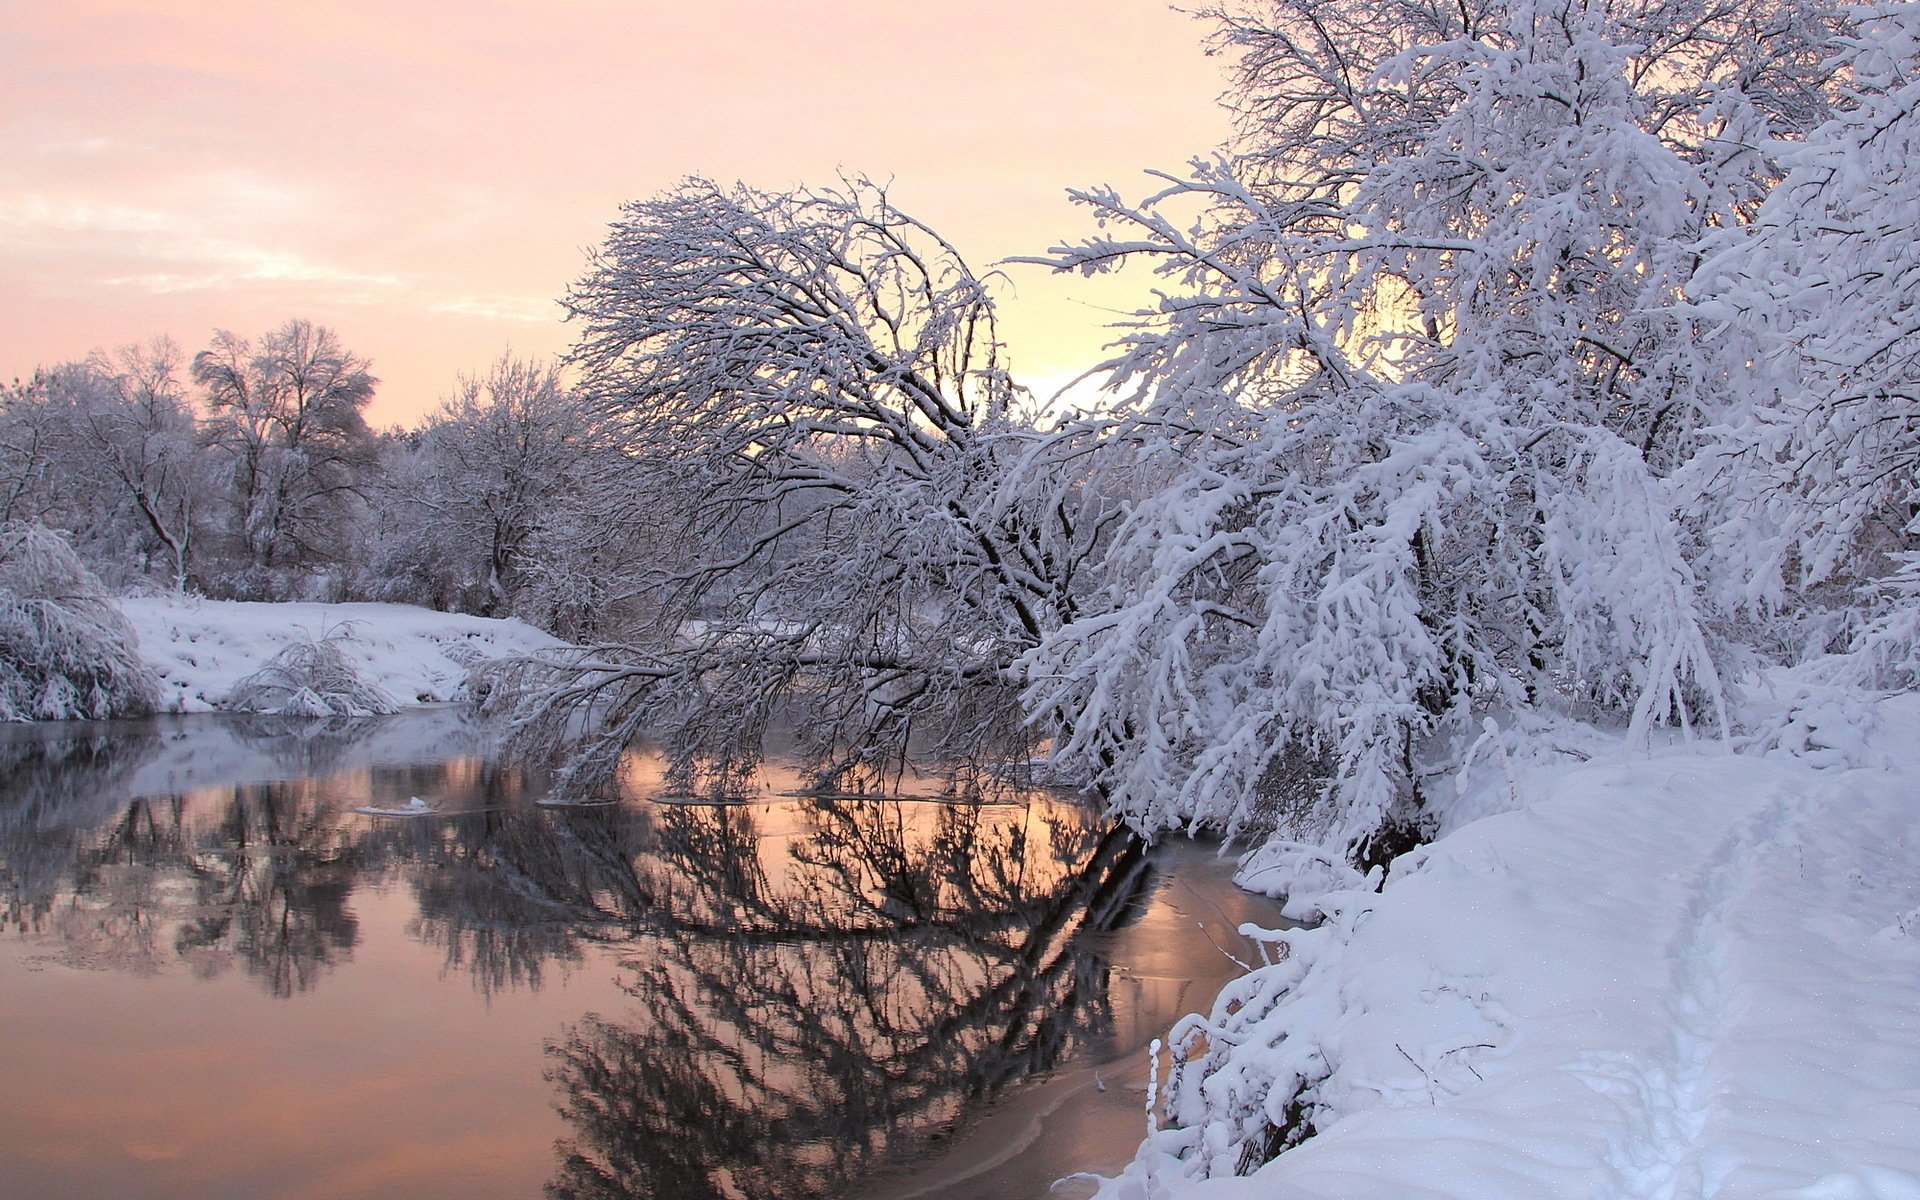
(184, 257)
(227, 266)
(32, 214)
(499, 308)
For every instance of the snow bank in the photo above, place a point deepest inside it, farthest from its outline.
(1688, 974)
(201, 648)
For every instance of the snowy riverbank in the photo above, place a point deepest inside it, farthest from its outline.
(1690, 973)
(200, 648)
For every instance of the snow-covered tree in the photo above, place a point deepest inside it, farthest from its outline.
(144, 437)
(819, 427)
(65, 650)
(395, 559)
(287, 414)
(1420, 379)
(579, 574)
(1819, 477)
(475, 505)
(107, 450)
(33, 436)
(510, 445)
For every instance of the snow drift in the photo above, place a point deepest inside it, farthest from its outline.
(1684, 974)
(203, 650)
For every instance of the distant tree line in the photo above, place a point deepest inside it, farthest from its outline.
(248, 471)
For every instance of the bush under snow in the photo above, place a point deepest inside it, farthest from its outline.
(65, 651)
(312, 679)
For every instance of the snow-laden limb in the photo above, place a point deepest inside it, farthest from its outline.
(1821, 295)
(824, 443)
(1716, 75)
(1335, 584)
(1265, 603)
(1686, 975)
(65, 651)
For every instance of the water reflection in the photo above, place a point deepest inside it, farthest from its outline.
(791, 1030)
(271, 878)
(508, 895)
(57, 785)
(808, 985)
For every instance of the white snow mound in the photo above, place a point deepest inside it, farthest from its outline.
(202, 648)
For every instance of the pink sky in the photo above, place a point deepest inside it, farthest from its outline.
(425, 176)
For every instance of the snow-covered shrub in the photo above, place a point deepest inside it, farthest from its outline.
(311, 679)
(65, 650)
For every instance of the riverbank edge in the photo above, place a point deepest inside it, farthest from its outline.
(200, 648)
(1616, 968)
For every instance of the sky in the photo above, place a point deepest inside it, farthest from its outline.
(427, 177)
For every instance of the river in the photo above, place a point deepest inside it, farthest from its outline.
(253, 959)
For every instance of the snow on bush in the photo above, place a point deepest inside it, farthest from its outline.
(311, 679)
(65, 651)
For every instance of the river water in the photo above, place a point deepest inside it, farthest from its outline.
(242, 958)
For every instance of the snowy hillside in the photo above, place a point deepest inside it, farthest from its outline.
(201, 648)
(1685, 975)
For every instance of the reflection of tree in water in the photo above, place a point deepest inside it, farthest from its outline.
(314, 747)
(817, 984)
(119, 907)
(58, 783)
(258, 875)
(795, 1024)
(271, 881)
(266, 879)
(304, 746)
(509, 889)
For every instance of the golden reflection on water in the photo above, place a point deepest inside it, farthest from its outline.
(226, 978)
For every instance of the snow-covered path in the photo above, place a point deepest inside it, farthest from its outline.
(1694, 975)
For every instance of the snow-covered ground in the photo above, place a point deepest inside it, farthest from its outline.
(1692, 973)
(200, 648)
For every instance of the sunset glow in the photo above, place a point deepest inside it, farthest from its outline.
(426, 178)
